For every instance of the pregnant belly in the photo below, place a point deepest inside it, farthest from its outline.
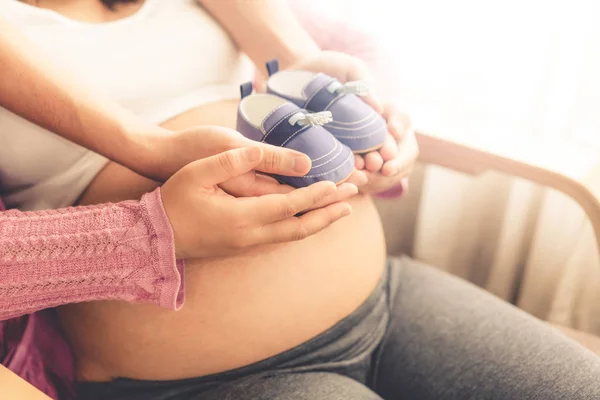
(238, 310)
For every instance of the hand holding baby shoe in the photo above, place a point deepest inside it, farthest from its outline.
(390, 166)
(394, 160)
(208, 222)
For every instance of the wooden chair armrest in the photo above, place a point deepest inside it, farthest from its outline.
(572, 172)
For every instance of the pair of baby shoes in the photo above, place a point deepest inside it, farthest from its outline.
(316, 115)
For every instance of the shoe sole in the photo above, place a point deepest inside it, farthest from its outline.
(336, 183)
(345, 179)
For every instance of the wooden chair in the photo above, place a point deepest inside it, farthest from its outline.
(572, 171)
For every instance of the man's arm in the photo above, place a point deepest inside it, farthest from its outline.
(34, 87)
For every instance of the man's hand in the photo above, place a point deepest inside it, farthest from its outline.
(166, 153)
(208, 222)
(180, 148)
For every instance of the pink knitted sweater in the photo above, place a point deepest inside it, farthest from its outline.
(121, 251)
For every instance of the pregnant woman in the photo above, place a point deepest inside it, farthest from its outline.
(323, 318)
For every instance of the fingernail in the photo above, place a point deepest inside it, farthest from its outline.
(252, 154)
(347, 211)
(394, 170)
(329, 188)
(301, 164)
(362, 178)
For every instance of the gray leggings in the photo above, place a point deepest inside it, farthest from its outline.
(422, 334)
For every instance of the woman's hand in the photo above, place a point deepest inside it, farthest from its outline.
(390, 166)
(208, 222)
(392, 163)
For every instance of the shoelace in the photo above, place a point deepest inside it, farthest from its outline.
(312, 119)
(359, 88)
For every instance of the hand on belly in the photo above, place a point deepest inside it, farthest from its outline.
(238, 310)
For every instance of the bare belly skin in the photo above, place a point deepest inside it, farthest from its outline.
(238, 310)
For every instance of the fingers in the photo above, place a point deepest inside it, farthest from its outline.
(389, 150)
(398, 122)
(252, 184)
(359, 162)
(390, 168)
(343, 192)
(216, 169)
(298, 228)
(373, 161)
(276, 207)
(282, 161)
(276, 160)
(408, 152)
(373, 101)
(358, 178)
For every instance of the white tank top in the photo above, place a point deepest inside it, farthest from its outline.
(167, 58)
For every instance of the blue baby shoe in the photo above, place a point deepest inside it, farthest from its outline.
(274, 120)
(354, 122)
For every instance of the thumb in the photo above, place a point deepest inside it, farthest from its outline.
(227, 165)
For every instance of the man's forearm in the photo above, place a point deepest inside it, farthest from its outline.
(32, 86)
(264, 29)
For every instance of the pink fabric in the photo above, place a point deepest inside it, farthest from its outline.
(33, 346)
(121, 251)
